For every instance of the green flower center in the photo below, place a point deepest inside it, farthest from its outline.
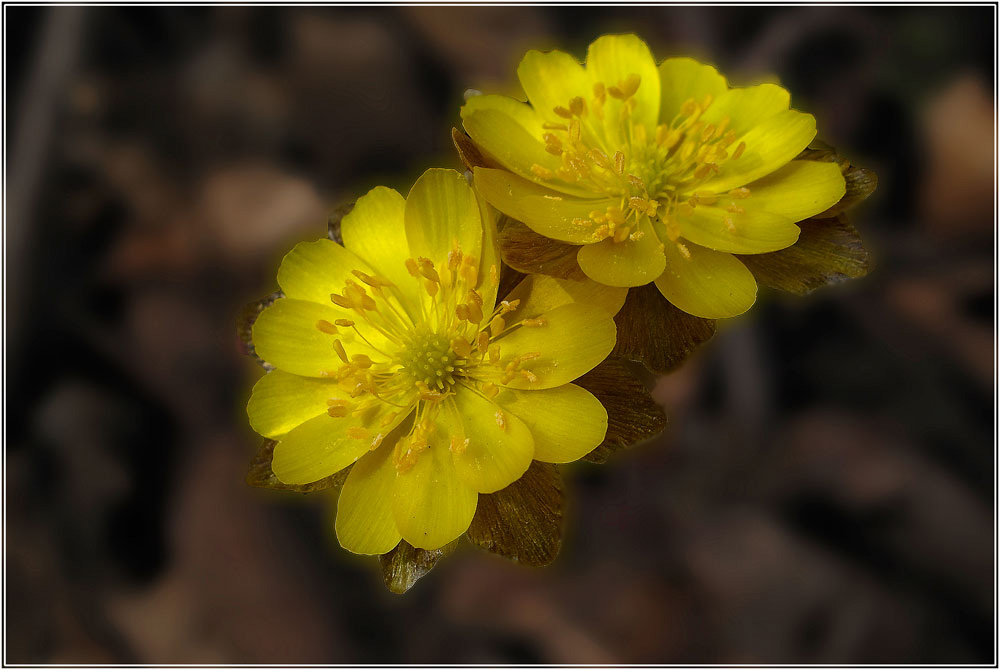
(429, 358)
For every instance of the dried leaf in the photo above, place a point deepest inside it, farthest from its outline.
(244, 327)
(262, 476)
(522, 522)
(653, 332)
(526, 251)
(470, 154)
(333, 222)
(860, 182)
(633, 416)
(828, 251)
(404, 565)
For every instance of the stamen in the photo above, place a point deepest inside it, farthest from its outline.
(326, 327)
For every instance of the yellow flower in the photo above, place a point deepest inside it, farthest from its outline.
(391, 354)
(660, 173)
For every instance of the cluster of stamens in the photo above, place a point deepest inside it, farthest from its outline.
(423, 356)
(653, 173)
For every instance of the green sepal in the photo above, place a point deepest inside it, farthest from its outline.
(405, 565)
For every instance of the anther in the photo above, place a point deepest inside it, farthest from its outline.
(490, 390)
(740, 148)
(483, 342)
(619, 162)
(497, 325)
(461, 347)
(458, 444)
(563, 112)
(339, 348)
(541, 172)
(346, 323)
(357, 433)
(326, 327)
(577, 106)
(501, 420)
(341, 301)
(742, 192)
(534, 323)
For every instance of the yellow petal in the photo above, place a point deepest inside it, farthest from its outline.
(797, 191)
(511, 133)
(765, 221)
(321, 446)
(567, 422)
(281, 401)
(365, 524)
(430, 503)
(628, 263)
(490, 261)
(314, 270)
(286, 335)
(495, 455)
(374, 231)
(612, 59)
(541, 293)
(441, 210)
(747, 107)
(770, 145)
(683, 79)
(709, 284)
(572, 341)
(546, 212)
(551, 79)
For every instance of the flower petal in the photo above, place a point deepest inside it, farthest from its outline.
(797, 191)
(281, 401)
(683, 79)
(769, 145)
(321, 446)
(430, 503)
(709, 284)
(365, 524)
(628, 263)
(495, 456)
(552, 79)
(612, 59)
(286, 335)
(566, 422)
(546, 212)
(441, 209)
(747, 107)
(510, 132)
(375, 231)
(490, 264)
(573, 340)
(541, 293)
(765, 221)
(314, 270)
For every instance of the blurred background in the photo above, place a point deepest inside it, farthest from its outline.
(824, 492)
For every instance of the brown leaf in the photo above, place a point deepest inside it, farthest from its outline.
(470, 154)
(244, 327)
(522, 522)
(653, 332)
(633, 416)
(828, 251)
(860, 182)
(526, 251)
(262, 476)
(404, 565)
(333, 222)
